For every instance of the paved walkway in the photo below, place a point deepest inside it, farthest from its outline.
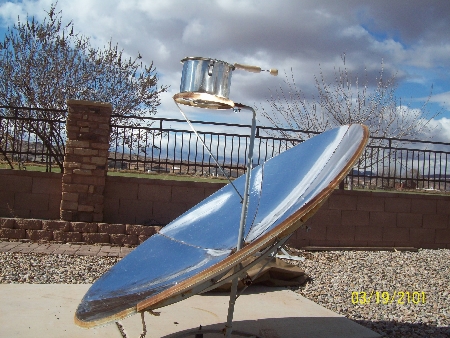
(66, 249)
(47, 310)
(31, 310)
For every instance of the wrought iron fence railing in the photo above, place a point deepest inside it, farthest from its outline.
(32, 135)
(160, 145)
(168, 145)
(403, 163)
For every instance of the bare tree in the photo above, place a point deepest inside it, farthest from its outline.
(42, 64)
(350, 99)
(347, 99)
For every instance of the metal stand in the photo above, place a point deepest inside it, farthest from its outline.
(244, 210)
(209, 151)
(287, 255)
(229, 324)
(270, 251)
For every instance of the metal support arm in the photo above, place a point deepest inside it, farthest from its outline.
(229, 325)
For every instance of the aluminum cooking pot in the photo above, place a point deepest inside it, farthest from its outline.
(205, 75)
(205, 82)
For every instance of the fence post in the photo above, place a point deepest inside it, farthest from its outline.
(85, 163)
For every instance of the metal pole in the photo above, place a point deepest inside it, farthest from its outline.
(234, 284)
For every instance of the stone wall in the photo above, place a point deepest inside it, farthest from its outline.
(127, 200)
(150, 201)
(29, 194)
(347, 218)
(378, 219)
(38, 230)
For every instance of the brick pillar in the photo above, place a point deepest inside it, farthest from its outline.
(88, 128)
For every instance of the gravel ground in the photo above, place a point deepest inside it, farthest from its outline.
(32, 268)
(334, 277)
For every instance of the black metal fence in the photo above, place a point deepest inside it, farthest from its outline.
(158, 145)
(32, 135)
(169, 146)
(390, 163)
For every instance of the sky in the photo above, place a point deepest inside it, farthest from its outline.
(300, 37)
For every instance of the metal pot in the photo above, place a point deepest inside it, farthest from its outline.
(205, 75)
(205, 82)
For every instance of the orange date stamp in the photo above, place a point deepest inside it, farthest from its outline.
(385, 297)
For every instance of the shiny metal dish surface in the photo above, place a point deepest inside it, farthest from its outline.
(200, 244)
(162, 263)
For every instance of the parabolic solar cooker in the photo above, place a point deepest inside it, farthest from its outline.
(247, 220)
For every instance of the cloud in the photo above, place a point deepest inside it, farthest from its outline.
(438, 130)
(308, 36)
(9, 11)
(194, 32)
(443, 99)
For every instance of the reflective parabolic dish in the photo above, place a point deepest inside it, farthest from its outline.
(201, 244)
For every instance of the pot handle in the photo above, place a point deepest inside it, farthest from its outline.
(210, 67)
(255, 69)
